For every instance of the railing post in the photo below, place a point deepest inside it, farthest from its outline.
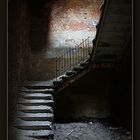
(56, 67)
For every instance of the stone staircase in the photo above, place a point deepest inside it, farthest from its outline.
(34, 116)
(33, 119)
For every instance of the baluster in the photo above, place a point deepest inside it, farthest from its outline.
(73, 55)
(67, 59)
(83, 48)
(77, 54)
(64, 61)
(88, 47)
(70, 58)
(76, 51)
(62, 64)
(56, 67)
(59, 66)
(80, 52)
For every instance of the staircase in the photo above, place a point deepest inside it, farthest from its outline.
(34, 117)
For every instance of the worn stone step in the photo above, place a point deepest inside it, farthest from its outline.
(84, 64)
(78, 68)
(64, 77)
(58, 82)
(31, 134)
(38, 84)
(37, 96)
(71, 73)
(35, 116)
(32, 125)
(38, 87)
(47, 90)
(35, 102)
(35, 109)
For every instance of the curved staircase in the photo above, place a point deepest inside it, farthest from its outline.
(34, 117)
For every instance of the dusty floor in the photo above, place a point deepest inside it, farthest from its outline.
(90, 131)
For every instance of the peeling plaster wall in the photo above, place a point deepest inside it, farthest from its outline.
(56, 26)
(72, 21)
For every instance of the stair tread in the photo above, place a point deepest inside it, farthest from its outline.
(29, 134)
(37, 96)
(35, 102)
(41, 107)
(23, 89)
(19, 113)
(71, 73)
(48, 83)
(32, 125)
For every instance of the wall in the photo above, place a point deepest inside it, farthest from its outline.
(86, 98)
(121, 90)
(57, 25)
(72, 21)
(18, 46)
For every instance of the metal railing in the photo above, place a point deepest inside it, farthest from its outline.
(71, 57)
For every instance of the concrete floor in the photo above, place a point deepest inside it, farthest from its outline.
(90, 131)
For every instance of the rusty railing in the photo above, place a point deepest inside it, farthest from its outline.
(71, 57)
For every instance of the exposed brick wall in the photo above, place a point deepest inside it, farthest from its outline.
(57, 25)
(72, 21)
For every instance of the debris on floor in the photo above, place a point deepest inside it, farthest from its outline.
(90, 131)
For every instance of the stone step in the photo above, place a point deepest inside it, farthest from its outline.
(38, 87)
(32, 125)
(38, 84)
(37, 96)
(78, 68)
(64, 77)
(58, 82)
(35, 102)
(84, 64)
(71, 73)
(30, 134)
(23, 89)
(35, 116)
(35, 109)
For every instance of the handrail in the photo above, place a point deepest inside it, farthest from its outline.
(71, 57)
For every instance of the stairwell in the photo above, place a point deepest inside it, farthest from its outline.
(34, 116)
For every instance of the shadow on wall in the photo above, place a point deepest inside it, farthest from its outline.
(86, 98)
(40, 24)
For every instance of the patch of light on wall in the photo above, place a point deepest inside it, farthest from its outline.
(70, 26)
